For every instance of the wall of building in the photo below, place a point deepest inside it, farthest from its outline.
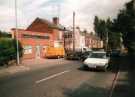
(39, 35)
(82, 40)
(31, 40)
(93, 41)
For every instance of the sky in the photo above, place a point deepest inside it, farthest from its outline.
(85, 11)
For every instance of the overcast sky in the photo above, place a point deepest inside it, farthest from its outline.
(85, 10)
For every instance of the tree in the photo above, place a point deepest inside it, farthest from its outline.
(125, 23)
(96, 25)
(4, 34)
(114, 37)
(100, 29)
(105, 30)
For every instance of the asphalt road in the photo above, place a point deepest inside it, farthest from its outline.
(67, 80)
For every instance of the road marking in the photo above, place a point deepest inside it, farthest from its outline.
(52, 76)
(114, 84)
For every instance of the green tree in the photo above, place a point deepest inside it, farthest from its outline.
(4, 34)
(105, 30)
(96, 25)
(100, 29)
(114, 37)
(125, 23)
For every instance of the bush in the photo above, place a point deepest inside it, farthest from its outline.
(8, 50)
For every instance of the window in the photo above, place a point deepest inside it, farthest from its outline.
(27, 49)
(36, 36)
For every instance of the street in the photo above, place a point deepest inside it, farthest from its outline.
(67, 48)
(66, 80)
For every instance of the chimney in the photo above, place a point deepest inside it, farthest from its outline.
(56, 20)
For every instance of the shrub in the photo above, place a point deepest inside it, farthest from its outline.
(8, 50)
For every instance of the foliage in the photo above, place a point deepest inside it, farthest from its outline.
(125, 23)
(114, 41)
(100, 27)
(5, 34)
(104, 29)
(8, 50)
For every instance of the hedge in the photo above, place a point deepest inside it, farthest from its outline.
(8, 50)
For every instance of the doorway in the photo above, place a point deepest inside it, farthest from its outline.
(37, 52)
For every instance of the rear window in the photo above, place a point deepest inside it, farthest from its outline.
(98, 55)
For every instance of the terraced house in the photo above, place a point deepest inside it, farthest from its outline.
(83, 40)
(38, 36)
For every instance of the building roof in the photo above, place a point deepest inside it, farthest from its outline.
(50, 24)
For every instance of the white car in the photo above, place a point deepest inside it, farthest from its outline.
(97, 60)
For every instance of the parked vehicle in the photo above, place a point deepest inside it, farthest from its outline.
(53, 52)
(97, 60)
(73, 55)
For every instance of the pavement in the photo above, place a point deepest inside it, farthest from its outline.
(62, 79)
(32, 64)
(41, 63)
(125, 83)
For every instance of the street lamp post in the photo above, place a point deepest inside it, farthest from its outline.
(16, 32)
(73, 31)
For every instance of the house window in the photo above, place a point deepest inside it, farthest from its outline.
(27, 49)
(36, 36)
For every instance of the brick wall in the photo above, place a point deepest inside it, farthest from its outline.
(34, 42)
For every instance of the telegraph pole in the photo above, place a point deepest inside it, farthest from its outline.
(134, 4)
(73, 31)
(107, 40)
(16, 32)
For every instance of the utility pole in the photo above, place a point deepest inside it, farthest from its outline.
(73, 31)
(16, 32)
(134, 4)
(106, 40)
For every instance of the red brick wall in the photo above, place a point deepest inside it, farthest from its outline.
(34, 42)
(38, 27)
(92, 41)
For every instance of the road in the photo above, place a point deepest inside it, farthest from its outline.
(66, 80)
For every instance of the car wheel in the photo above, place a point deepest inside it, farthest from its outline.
(105, 68)
(85, 67)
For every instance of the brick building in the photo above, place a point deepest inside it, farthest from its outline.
(92, 41)
(82, 40)
(39, 35)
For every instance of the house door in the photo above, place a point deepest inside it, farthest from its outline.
(37, 51)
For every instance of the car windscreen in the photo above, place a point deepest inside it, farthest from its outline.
(98, 55)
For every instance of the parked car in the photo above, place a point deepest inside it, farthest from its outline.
(85, 55)
(97, 60)
(73, 55)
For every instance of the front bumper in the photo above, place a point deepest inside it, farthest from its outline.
(95, 66)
